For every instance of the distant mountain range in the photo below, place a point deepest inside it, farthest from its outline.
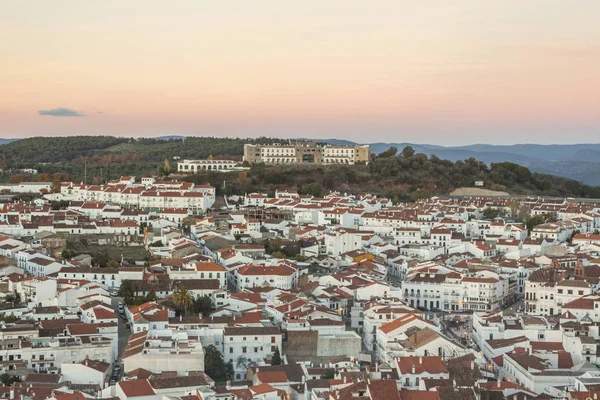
(575, 161)
(170, 137)
(4, 141)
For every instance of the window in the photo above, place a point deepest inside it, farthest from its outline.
(272, 339)
(244, 349)
(231, 350)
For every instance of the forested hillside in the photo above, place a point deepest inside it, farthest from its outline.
(108, 157)
(401, 176)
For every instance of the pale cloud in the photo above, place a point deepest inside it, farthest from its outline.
(61, 112)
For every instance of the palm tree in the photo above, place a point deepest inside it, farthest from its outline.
(183, 297)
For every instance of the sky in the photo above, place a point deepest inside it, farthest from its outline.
(436, 71)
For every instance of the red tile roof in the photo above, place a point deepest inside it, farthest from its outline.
(136, 388)
(427, 364)
(271, 376)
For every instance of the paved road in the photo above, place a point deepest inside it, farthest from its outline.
(513, 308)
(123, 331)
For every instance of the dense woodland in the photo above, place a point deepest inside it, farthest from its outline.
(107, 157)
(402, 176)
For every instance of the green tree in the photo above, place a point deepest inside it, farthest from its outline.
(9, 319)
(203, 305)
(278, 254)
(126, 291)
(151, 295)
(535, 221)
(67, 254)
(408, 152)
(391, 152)
(8, 380)
(215, 366)
(490, 213)
(420, 194)
(100, 258)
(245, 362)
(183, 298)
(314, 189)
(276, 358)
(112, 264)
(243, 178)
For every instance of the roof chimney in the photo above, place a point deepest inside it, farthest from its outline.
(420, 360)
(472, 364)
(413, 369)
(499, 383)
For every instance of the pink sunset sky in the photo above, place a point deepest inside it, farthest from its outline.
(431, 71)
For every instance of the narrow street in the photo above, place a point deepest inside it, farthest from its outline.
(123, 331)
(514, 308)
